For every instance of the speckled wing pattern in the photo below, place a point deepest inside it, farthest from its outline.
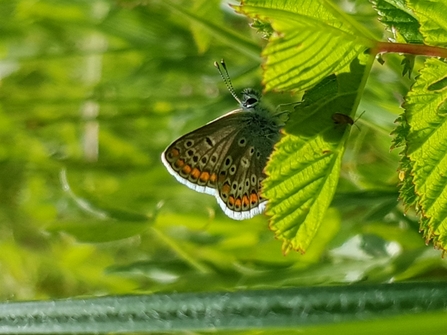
(226, 158)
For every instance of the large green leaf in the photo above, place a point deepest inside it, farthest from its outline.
(424, 129)
(304, 169)
(312, 40)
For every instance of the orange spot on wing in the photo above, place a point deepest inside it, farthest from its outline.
(187, 169)
(195, 173)
(175, 152)
(226, 188)
(179, 163)
(238, 203)
(204, 176)
(231, 200)
(245, 201)
(254, 198)
(213, 177)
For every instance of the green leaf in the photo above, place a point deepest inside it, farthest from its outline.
(304, 169)
(312, 40)
(432, 17)
(424, 127)
(399, 19)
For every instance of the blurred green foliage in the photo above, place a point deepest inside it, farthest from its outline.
(91, 93)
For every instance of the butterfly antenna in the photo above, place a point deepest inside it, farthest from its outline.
(226, 78)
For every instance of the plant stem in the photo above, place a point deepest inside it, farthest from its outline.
(242, 310)
(413, 49)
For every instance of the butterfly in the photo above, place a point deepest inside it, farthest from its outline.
(227, 156)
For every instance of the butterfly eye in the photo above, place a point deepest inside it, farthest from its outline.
(251, 102)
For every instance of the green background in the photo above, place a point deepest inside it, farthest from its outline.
(91, 93)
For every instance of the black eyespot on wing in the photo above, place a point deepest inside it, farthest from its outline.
(242, 142)
(209, 141)
(253, 179)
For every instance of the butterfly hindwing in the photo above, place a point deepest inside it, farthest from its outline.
(242, 172)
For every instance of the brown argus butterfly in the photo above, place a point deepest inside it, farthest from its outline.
(226, 157)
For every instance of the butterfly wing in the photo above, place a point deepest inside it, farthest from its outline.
(242, 170)
(194, 159)
(226, 158)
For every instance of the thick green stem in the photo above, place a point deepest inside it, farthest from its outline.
(244, 310)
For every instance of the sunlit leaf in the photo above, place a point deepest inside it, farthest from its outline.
(304, 169)
(399, 19)
(425, 154)
(433, 20)
(312, 40)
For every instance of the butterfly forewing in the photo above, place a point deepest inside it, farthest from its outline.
(195, 158)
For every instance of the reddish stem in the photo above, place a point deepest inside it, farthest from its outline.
(414, 49)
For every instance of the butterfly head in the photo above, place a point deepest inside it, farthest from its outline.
(250, 98)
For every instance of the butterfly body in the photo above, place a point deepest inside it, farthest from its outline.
(226, 157)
